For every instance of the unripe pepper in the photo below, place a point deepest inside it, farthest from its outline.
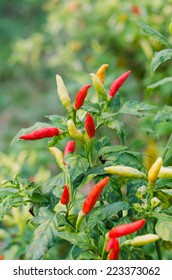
(125, 229)
(65, 196)
(154, 170)
(98, 85)
(101, 72)
(69, 148)
(125, 171)
(44, 132)
(63, 93)
(165, 172)
(58, 156)
(73, 131)
(90, 126)
(81, 95)
(143, 239)
(118, 83)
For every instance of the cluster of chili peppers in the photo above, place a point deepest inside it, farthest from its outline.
(112, 244)
(112, 237)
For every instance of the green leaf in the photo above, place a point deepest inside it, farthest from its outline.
(160, 83)
(54, 185)
(28, 130)
(130, 253)
(102, 142)
(76, 164)
(88, 255)
(120, 129)
(60, 121)
(167, 191)
(4, 192)
(4, 206)
(38, 198)
(81, 239)
(137, 109)
(165, 115)
(106, 212)
(164, 226)
(115, 103)
(160, 57)
(91, 107)
(112, 149)
(106, 117)
(168, 150)
(152, 32)
(44, 236)
(163, 183)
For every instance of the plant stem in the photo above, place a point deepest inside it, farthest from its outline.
(104, 247)
(151, 188)
(158, 250)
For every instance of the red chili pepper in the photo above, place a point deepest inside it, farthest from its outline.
(81, 95)
(125, 229)
(113, 255)
(110, 244)
(41, 133)
(90, 126)
(65, 196)
(93, 196)
(118, 83)
(69, 148)
(136, 10)
(1, 258)
(114, 248)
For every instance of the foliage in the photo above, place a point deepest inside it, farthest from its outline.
(128, 196)
(73, 38)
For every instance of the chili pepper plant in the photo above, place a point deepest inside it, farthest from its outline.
(102, 201)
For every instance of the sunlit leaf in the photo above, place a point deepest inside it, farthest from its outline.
(44, 236)
(164, 226)
(160, 57)
(152, 32)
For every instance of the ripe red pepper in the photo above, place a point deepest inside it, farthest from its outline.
(65, 196)
(1, 258)
(69, 148)
(81, 95)
(118, 83)
(41, 133)
(93, 196)
(136, 10)
(113, 255)
(114, 248)
(90, 126)
(125, 229)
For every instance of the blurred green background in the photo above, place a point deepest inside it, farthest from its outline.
(72, 38)
(40, 39)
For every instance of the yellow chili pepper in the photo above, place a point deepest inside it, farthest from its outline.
(144, 239)
(154, 170)
(98, 85)
(101, 72)
(125, 171)
(63, 93)
(165, 172)
(58, 156)
(73, 131)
